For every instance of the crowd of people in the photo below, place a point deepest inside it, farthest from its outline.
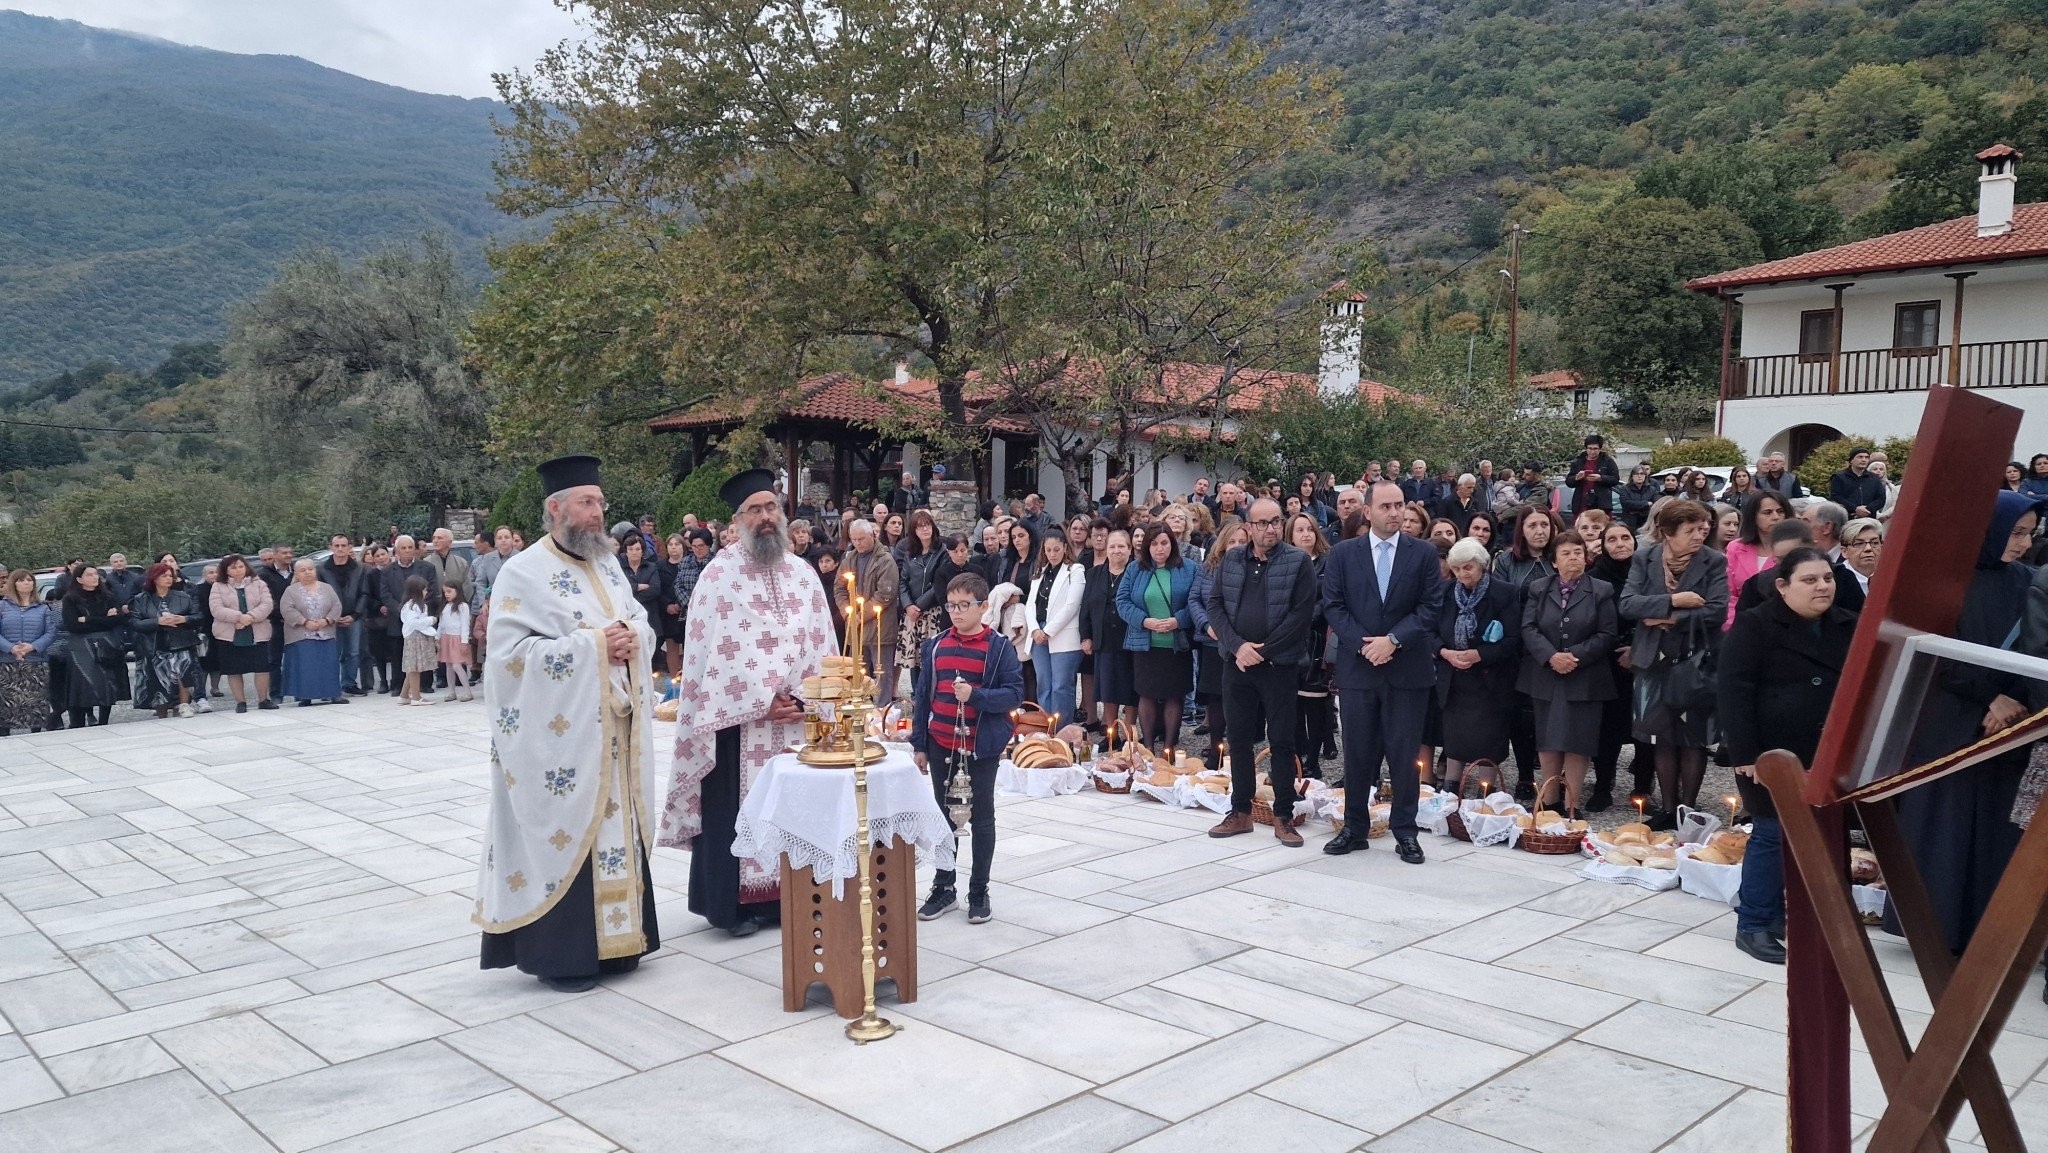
(383, 616)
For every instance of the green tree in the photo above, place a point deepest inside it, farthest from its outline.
(357, 373)
(1768, 188)
(1613, 275)
(1874, 106)
(989, 187)
(1938, 181)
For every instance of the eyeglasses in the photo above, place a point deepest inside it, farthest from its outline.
(1269, 522)
(957, 607)
(1867, 542)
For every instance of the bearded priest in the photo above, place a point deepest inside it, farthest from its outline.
(565, 891)
(759, 625)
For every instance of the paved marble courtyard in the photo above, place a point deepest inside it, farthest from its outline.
(251, 933)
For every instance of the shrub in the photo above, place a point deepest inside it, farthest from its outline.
(1705, 451)
(698, 493)
(1833, 456)
(519, 505)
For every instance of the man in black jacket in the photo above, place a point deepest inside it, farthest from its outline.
(1772, 474)
(1261, 605)
(350, 581)
(277, 576)
(1856, 488)
(389, 594)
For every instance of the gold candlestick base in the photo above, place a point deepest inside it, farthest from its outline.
(870, 1028)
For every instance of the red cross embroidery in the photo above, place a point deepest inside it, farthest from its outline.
(729, 648)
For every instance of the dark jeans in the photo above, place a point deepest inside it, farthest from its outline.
(1316, 724)
(1259, 702)
(981, 817)
(1761, 902)
(350, 650)
(276, 661)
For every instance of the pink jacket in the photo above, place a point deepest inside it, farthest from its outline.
(1745, 560)
(226, 610)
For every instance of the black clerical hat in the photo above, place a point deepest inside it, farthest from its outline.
(566, 472)
(736, 491)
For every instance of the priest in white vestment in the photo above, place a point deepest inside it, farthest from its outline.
(565, 892)
(759, 624)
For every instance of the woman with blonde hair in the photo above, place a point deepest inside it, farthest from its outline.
(27, 626)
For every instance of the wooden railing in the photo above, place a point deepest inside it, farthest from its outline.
(1993, 364)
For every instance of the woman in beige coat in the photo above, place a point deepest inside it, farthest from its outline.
(241, 630)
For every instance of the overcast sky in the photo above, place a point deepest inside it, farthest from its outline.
(447, 46)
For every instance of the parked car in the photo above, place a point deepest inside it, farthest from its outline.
(1717, 475)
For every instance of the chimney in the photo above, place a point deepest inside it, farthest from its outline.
(903, 366)
(1338, 366)
(1995, 187)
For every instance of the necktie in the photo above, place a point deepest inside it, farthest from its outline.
(1384, 563)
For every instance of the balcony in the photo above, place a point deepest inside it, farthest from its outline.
(1994, 364)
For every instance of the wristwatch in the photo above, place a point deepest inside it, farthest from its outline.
(1396, 640)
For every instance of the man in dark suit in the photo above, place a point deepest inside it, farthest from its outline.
(1382, 594)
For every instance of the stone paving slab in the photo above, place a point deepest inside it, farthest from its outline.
(251, 933)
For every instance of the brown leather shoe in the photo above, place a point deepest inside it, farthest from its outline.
(1283, 832)
(1232, 825)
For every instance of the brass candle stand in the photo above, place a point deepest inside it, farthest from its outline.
(838, 704)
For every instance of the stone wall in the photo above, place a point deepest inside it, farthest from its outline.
(952, 505)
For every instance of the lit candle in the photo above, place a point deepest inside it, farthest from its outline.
(848, 647)
(1639, 808)
(1731, 803)
(878, 636)
(860, 624)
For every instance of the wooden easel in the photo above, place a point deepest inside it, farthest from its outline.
(1832, 967)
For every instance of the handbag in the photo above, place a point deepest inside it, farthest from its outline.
(1690, 682)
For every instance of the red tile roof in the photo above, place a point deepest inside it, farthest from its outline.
(1552, 381)
(846, 399)
(1933, 246)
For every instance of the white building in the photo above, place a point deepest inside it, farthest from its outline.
(1566, 393)
(1847, 340)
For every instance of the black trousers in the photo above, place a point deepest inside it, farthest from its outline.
(981, 813)
(1259, 702)
(276, 660)
(1317, 723)
(1382, 725)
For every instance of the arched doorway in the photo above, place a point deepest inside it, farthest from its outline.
(1801, 440)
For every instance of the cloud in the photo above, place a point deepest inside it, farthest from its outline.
(447, 46)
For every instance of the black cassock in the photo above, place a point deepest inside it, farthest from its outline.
(714, 872)
(1960, 826)
(563, 942)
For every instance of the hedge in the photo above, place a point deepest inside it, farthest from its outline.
(1701, 452)
(698, 493)
(1833, 456)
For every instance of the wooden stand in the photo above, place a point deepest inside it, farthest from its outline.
(821, 934)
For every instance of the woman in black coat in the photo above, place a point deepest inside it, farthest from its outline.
(1479, 647)
(1569, 626)
(1617, 716)
(1779, 668)
(96, 672)
(1102, 632)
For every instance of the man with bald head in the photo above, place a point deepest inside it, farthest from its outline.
(1261, 606)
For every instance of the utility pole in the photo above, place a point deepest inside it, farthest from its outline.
(1514, 301)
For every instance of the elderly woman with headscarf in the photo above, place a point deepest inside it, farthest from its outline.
(166, 620)
(1960, 826)
(1479, 646)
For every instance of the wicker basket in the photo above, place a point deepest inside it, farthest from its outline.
(1456, 821)
(1548, 844)
(1262, 812)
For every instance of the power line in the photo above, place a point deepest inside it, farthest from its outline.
(1411, 295)
(103, 428)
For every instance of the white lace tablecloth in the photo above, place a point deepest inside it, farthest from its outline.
(808, 815)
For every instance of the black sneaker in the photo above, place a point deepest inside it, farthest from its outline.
(977, 909)
(266, 704)
(241, 706)
(937, 905)
(1602, 801)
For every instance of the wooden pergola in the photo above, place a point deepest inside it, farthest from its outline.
(845, 412)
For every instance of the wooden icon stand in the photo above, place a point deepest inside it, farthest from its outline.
(1832, 967)
(821, 933)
